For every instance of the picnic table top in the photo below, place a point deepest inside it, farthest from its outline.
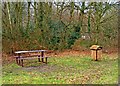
(31, 51)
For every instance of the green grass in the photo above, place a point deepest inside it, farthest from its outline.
(63, 70)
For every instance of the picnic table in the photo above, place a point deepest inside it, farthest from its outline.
(26, 55)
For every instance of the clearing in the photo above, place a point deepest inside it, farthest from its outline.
(64, 68)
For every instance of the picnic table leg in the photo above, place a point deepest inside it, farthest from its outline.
(22, 62)
(42, 59)
(46, 60)
(39, 58)
(19, 59)
(16, 60)
(42, 55)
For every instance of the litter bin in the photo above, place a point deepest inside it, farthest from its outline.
(96, 52)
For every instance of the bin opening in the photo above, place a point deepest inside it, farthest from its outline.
(95, 47)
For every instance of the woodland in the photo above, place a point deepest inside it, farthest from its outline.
(58, 25)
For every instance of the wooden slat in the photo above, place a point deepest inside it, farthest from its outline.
(27, 58)
(31, 55)
(18, 56)
(32, 51)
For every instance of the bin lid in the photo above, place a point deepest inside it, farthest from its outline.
(95, 47)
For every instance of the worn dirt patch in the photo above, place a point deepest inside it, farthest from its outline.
(42, 68)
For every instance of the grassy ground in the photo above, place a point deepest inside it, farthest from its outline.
(64, 70)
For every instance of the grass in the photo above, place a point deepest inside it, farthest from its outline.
(63, 70)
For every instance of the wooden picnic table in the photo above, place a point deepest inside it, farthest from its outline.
(32, 54)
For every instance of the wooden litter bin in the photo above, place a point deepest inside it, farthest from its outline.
(96, 52)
